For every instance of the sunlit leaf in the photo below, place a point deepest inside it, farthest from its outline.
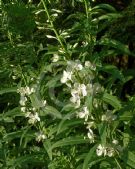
(112, 100)
(70, 141)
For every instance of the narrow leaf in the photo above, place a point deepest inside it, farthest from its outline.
(47, 146)
(70, 141)
(52, 111)
(89, 157)
(8, 90)
(112, 100)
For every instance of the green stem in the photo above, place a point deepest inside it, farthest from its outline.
(52, 25)
(86, 8)
(118, 163)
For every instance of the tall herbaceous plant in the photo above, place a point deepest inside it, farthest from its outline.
(61, 104)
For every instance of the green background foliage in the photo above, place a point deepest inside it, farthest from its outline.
(32, 33)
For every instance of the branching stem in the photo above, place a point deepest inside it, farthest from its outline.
(52, 25)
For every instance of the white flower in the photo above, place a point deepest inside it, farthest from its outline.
(108, 117)
(106, 151)
(81, 115)
(115, 142)
(40, 136)
(90, 124)
(74, 65)
(66, 76)
(14, 77)
(110, 152)
(101, 150)
(33, 117)
(25, 90)
(89, 88)
(77, 92)
(79, 67)
(34, 109)
(83, 89)
(97, 88)
(44, 102)
(79, 89)
(76, 100)
(29, 91)
(23, 100)
(55, 58)
(88, 64)
(28, 114)
(90, 135)
(23, 109)
(84, 114)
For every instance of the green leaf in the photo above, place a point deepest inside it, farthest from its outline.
(36, 102)
(47, 145)
(13, 135)
(112, 100)
(53, 82)
(93, 162)
(113, 70)
(109, 16)
(52, 111)
(105, 6)
(8, 90)
(89, 157)
(89, 103)
(64, 125)
(61, 124)
(129, 158)
(102, 132)
(7, 119)
(70, 141)
(29, 159)
(105, 165)
(68, 107)
(126, 116)
(13, 113)
(18, 134)
(117, 45)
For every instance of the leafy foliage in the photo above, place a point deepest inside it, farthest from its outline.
(64, 95)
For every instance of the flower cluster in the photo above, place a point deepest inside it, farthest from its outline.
(105, 151)
(109, 150)
(79, 91)
(80, 80)
(108, 116)
(33, 117)
(82, 84)
(30, 112)
(24, 92)
(40, 136)
(84, 114)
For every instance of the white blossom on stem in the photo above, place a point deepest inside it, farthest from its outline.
(66, 76)
(33, 117)
(101, 150)
(84, 114)
(23, 100)
(90, 135)
(40, 136)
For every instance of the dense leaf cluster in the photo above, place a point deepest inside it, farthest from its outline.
(67, 84)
